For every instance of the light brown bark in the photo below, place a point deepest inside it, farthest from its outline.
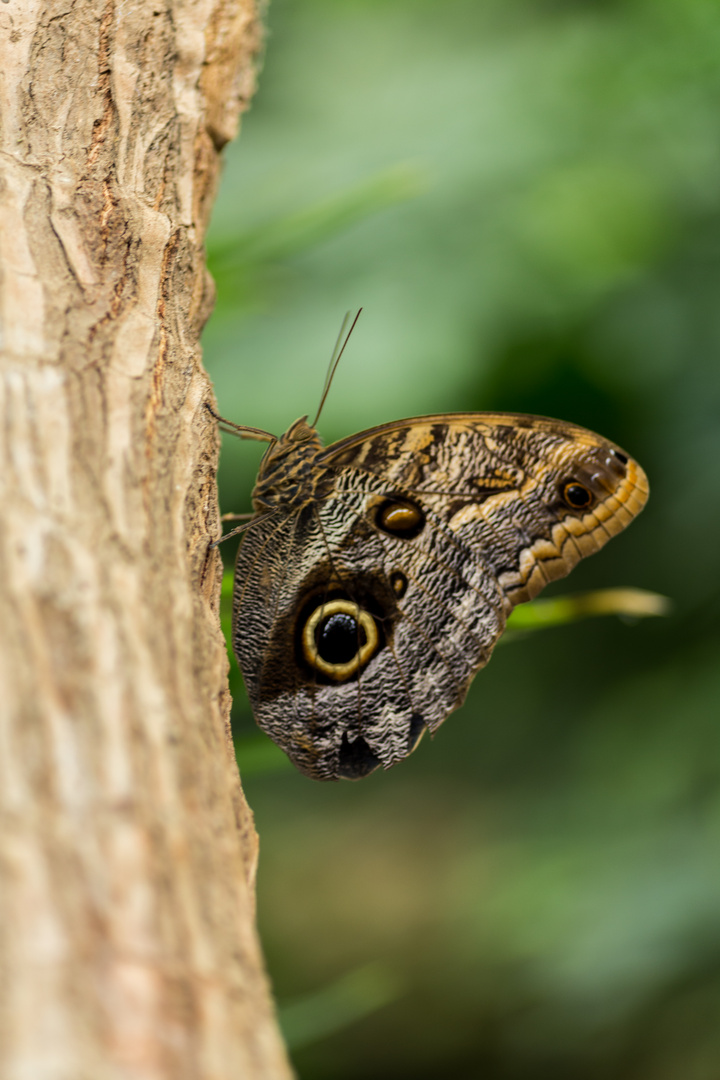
(127, 851)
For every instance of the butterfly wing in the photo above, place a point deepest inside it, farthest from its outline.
(361, 618)
(535, 495)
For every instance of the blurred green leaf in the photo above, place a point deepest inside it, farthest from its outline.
(338, 1005)
(282, 238)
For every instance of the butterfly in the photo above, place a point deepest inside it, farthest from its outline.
(376, 575)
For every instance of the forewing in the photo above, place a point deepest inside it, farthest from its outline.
(500, 483)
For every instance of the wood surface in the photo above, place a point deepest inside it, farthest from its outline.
(127, 851)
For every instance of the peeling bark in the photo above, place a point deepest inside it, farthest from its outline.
(127, 851)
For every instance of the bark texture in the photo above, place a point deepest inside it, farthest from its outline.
(127, 852)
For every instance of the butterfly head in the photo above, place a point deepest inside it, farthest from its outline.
(289, 475)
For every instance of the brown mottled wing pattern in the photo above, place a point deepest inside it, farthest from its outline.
(495, 479)
(435, 527)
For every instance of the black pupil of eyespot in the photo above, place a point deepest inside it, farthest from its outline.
(338, 638)
(577, 495)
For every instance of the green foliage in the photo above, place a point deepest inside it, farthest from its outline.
(525, 197)
(345, 1001)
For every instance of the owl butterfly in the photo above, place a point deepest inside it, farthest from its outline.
(377, 574)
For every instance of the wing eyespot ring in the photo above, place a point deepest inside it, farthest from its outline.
(400, 517)
(398, 583)
(577, 496)
(338, 638)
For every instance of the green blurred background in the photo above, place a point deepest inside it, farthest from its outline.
(525, 197)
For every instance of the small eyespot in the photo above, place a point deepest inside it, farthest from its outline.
(398, 583)
(622, 458)
(339, 638)
(400, 518)
(577, 496)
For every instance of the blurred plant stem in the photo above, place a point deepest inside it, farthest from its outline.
(557, 610)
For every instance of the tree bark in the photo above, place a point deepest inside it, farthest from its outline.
(127, 851)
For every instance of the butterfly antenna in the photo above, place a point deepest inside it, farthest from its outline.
(337, 352)
(241, 430)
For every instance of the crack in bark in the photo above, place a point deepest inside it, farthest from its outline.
(102, 124)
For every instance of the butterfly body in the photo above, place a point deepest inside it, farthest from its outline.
(378, 573)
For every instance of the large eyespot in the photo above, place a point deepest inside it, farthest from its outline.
(400, 517)
(577, 496)
(339, 638)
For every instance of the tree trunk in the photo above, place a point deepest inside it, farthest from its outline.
(127, 851)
